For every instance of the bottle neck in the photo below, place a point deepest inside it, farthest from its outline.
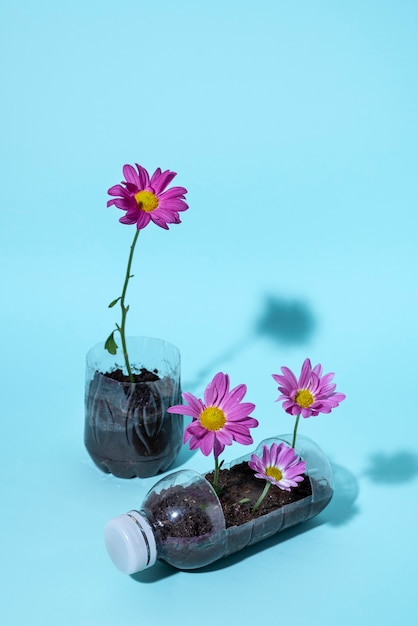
(130, 542)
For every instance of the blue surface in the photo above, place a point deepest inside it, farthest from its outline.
(294, 127)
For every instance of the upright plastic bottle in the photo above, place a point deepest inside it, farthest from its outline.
(181, 520)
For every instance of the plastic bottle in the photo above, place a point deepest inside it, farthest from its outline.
(127, 430)
(181, 520)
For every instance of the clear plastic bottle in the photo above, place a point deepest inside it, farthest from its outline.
(181, 520)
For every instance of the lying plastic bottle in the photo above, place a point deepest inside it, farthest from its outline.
(181, 520)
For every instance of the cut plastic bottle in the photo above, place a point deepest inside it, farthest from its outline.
(181, 520)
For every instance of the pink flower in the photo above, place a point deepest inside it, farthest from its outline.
(144, 199)
(218, 421)
(279, 465)
(309, 395)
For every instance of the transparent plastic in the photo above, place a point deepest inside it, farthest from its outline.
(319, 472)
(128, 431)
(188, 522)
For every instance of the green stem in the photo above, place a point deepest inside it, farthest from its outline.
(216, 474)
(125, 309)
(263, 495)
(295, 430)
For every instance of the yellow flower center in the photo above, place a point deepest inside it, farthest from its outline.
(304, 398)
(212, 418)
(274, 472)
(146, 201)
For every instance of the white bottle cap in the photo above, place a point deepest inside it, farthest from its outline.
(130, 542)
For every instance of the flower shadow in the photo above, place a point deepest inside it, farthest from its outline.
(393, 469)
(287, 322)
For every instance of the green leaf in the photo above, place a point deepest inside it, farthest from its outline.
(110, 344)
(114, 302)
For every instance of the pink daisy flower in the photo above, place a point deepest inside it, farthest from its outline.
(310, 394)
(145, 199)
(279, 465)
(218, 420)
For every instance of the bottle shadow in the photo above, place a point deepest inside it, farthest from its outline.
(342, 507)
(157, 572)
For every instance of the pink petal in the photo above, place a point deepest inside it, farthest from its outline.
(143, 176)
(240, 412)
(174, 192)
(182, 409)
(328, 390)
(118, 190)
(224, 436)
(305, 374)
(268, 455)
(234, 397)
(208, 442)
(130, 174)
(121, 203)
(216, 389)
(244, 439)
(158, 220)
(327, 378)
(218, 448)
(196, 404)
(159, 181)
(196, 429)
(289, 376)
(173, 205)
(127, 220)
(279, 379)
(306, 412)
(294, 472)
(318, 370)
(143, 219)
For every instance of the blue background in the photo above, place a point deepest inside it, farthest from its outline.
(294, 127)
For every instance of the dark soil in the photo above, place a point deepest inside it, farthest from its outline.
(178, 511)
(128, 432)
(192, 521)
(239, 483)
(144, 376)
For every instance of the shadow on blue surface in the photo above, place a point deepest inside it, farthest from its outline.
(391, 469)
(287, 322)
(342, 507)
(157, 572)
(184, 455)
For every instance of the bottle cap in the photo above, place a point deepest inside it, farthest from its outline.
(130, 542)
